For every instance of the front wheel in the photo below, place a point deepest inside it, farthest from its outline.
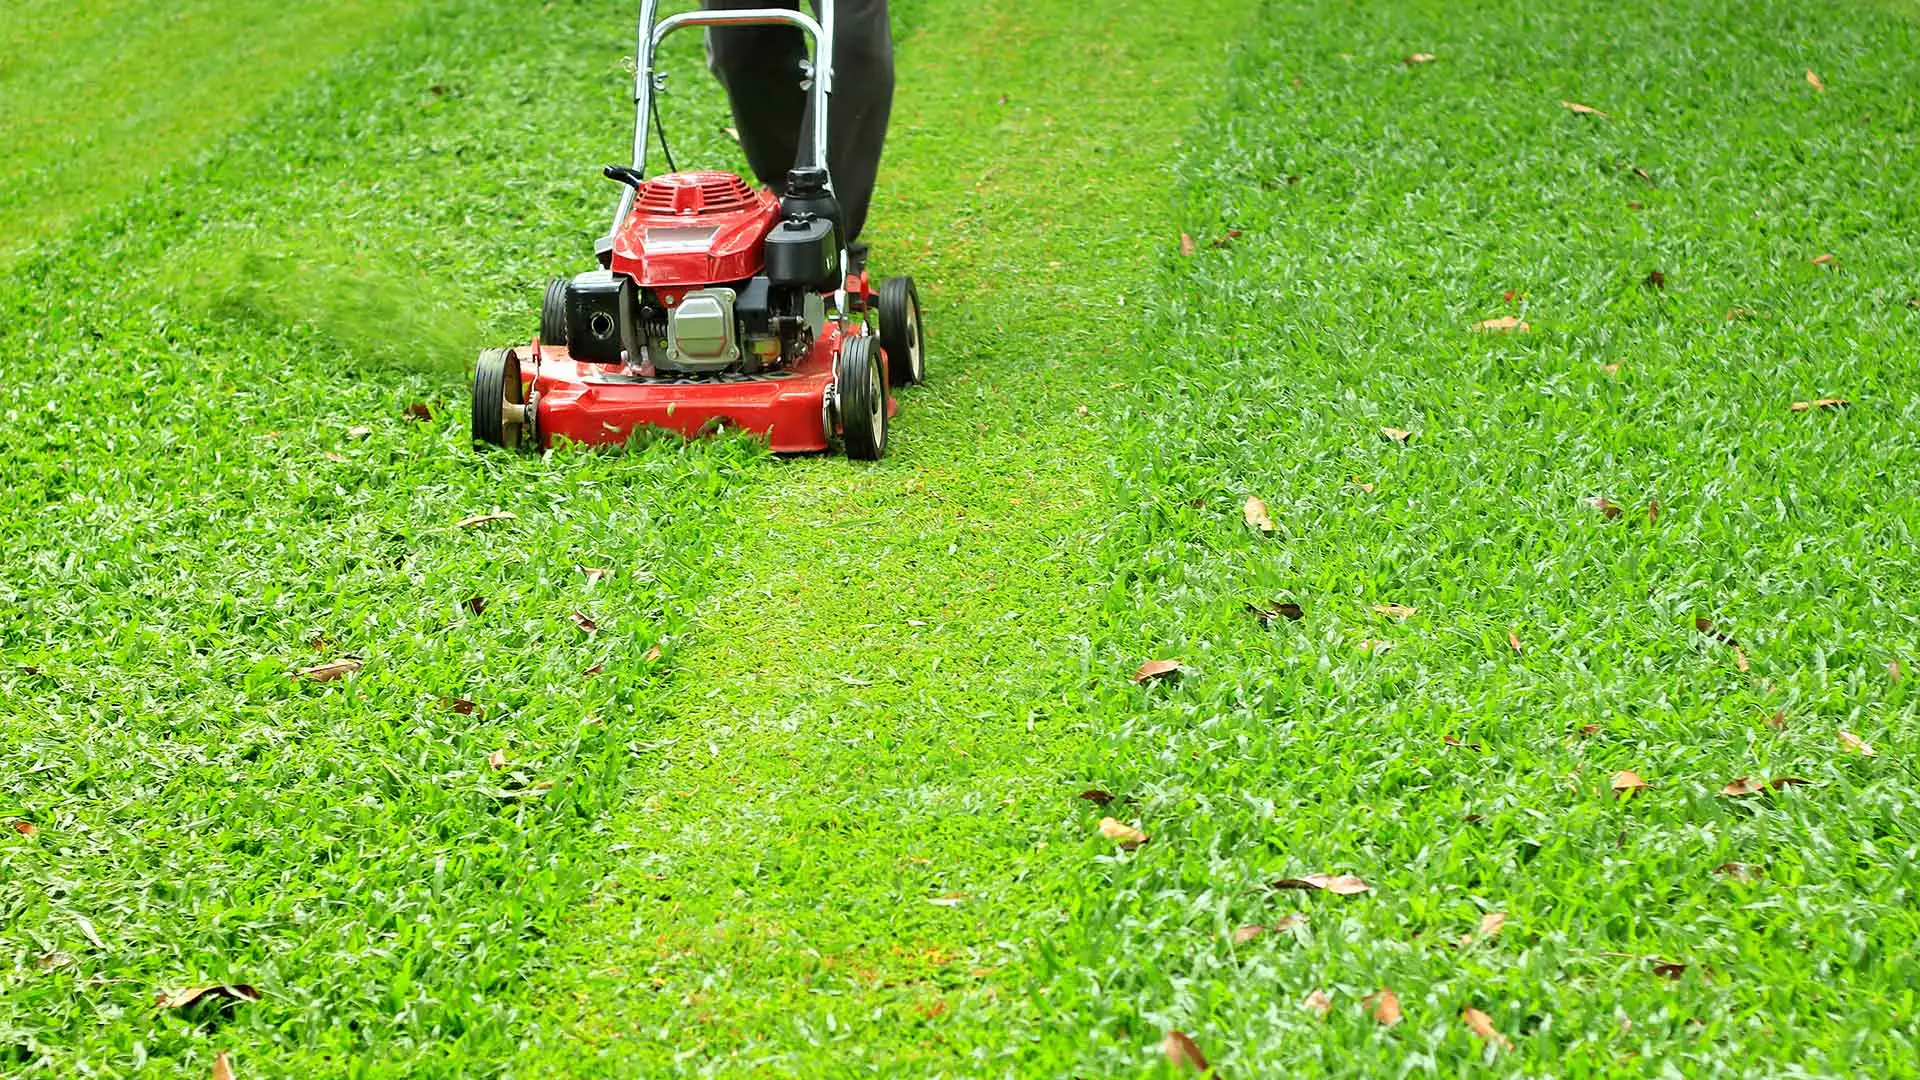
(499, 399)
(862, 397)
(553, 313)
(900, 332)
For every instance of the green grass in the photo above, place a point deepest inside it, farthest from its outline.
(881, 687)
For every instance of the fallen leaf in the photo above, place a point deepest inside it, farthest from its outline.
(482, 519)
(1505, 324)
(1635, 205)
(1288, 922)
(652, 654)
(1705, 626)
(1491, 922)
(1396, 434)
(1418, 58)
(337, 459)
(1778, 721)
(1814, 81)
(1643, 174)
(1653, 511)
(1779, 782)
(222, 1068)
(594, 573)
(1339, 885)
(1225, 239)
(1607, 507)
(1247, 933)
(359, 431)
(1856, 744)
(1385, 1005)
(1361, 484)
(1734, 314)
(952, 899)
(1279, 609)
(1826, 258)
(1584, 110)
(1740, 659)
(1482, 1025)
(419, 411)
(1186, 244)
(1656, 280)
(497, 759)
(533, 792)
(1395, 611)
(458, 704)
(1820, 403)
(1738, 871)
(1155, 669)
(1893, 670)
(1318, 1003)
(1374, 645)
(475, 604)
(1096, 796)
(1626, 782)
(331, 670)
(581, 620)
(593, 669)
(1611, 369)
(25, 828)
(1513, 642)
(227, 994)
(1588, 731)
(734, 133)
(1183, 1053)
(1670, 971)
(1742, 785)
(1255, 511)
(1115, 829)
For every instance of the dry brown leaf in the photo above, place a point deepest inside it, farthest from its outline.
(1186, 244)
(1814, 81)
(1513, 642)
(1225, 239)
(458, 704)
(1820, 403)
(25, 828)
(1825, 258)
(1338, 884)
(1653, 512)
(1588, 731)
(1255, 511)
(1505, 324)
(419, 410)
(1289, 921)
(359, 431)
(1155, 669)
(331, 670)
(594, 573)
(228, 995)
(1738, 871)
(1584, 110)
(1385, 1005)
(581, 620)
(1361, 484)
(1395, 434)
(1096, 796)
(593, 669)
(1396, 611)
(1279, 609)
(1611, 369)
(1780, 782)
(1633, 204)
(1778, 721)
(497, 759)
(1626, 782)
(1656, 279)
(1607, 507)
(1491, 922)
(1247, 933)
(1183, 1053)
(652, 654)
(1739, 313)
(1374, 645)
(482, 519)
(1318, 1003)
(337, 459)
(1418, 58)
(1743, 785)
(475, 604)
(1856, 744)
(1482, 1025)
(1670, 971)
(1115, 829)
(1893, 670)
(222, 1068)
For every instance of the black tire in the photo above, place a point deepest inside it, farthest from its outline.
(553, 313)
(862, 398)
(900, 332)
(498, 395)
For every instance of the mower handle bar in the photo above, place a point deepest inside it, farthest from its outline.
(647, 45)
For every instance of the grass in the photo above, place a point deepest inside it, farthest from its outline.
(833, 825)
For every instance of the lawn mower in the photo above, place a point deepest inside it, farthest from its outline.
(716, 305)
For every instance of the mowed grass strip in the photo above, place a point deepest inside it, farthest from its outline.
(1558, 586)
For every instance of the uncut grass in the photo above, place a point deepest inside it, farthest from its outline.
(1385, 209)
(189, 518)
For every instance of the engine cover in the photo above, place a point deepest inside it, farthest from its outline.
(702, 334)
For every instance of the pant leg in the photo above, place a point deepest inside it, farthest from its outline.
(760, 68)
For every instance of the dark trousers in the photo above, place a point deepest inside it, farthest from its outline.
(760, 68)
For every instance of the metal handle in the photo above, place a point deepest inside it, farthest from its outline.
(647, 44)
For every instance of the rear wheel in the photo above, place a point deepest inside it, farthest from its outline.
(553, 313)
(900, 332)
(499, 399)
(863, 399)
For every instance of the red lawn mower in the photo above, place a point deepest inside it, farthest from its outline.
(716, 305)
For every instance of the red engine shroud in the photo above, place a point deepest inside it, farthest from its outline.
(694, 228)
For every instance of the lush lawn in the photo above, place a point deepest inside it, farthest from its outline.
(833, 825)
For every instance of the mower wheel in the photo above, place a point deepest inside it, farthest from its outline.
(900, 332)
(553, 313)
(499, 399)
(862, 397)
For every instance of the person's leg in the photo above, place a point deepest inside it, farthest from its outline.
(760, 68)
